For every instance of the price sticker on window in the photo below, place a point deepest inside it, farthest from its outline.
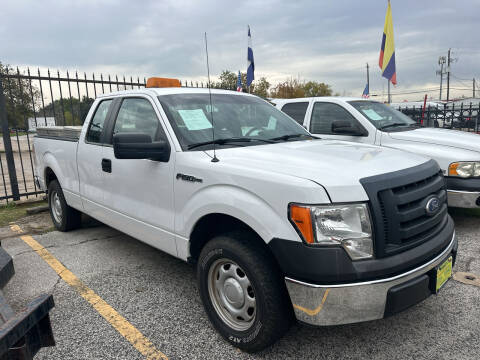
(195, 119)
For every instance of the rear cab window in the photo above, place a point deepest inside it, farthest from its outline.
(296, 111)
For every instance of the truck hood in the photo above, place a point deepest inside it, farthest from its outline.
(336, 165)
(453, 138)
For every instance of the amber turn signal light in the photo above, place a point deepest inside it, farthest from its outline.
(452, 169)
(302, 218)
(156, 82)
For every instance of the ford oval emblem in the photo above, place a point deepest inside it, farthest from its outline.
(432, 206)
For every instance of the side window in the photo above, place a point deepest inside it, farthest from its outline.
(94, 133)
(296, 111)
(324, 114)
(136, 115)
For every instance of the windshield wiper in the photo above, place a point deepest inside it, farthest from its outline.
(290, 136)
(223, 141)
(392, 125)
(416, 125)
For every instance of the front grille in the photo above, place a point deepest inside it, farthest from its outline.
(398, 204)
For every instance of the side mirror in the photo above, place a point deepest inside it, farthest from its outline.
(140, 146)
(344, 127)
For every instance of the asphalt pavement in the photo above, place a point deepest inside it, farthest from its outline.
(157, 294)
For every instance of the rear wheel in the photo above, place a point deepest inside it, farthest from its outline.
(64, 217)
(242, 292)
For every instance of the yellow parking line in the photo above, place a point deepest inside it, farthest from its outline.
(127, 330)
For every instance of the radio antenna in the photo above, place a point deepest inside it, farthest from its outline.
(214, 159)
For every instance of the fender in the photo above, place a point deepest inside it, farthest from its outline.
(233, 201)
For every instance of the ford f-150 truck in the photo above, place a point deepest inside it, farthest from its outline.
(280, 224)
(370, 122)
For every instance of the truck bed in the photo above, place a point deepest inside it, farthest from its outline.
(70, 133)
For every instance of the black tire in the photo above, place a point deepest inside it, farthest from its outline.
(64, 217)
(273, 309)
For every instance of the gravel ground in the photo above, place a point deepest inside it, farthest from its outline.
(157, 294)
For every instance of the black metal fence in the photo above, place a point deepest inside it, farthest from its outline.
(30, 99)
(464, 117)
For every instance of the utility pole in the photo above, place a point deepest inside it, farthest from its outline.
(448, 75)
(473, 87)
(441, 61)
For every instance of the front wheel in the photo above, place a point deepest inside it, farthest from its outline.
(242, 292)
(64, 217)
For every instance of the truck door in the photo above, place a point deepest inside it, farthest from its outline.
(138, 193)
(326, 115)
(89, 160)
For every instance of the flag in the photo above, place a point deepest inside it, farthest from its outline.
(366, 92)
(251, 64)
(387, 51)
(239, 82)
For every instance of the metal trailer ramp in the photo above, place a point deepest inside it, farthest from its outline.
(24, 333)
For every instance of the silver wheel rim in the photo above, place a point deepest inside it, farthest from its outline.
(56, 207)
(231, 294)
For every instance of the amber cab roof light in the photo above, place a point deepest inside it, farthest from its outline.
(156, 82)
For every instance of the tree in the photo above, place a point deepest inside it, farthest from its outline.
(260, 87)
(18, 98)
(313, 88)
(228, 81)
(293, 88)
(288, 89)
(69, 111)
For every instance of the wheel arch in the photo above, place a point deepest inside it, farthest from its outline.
(215, 224)
(49, 176)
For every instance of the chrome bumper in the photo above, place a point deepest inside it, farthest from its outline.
(464, 199)
(323, 305)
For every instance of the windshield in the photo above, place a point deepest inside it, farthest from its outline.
(383, 116)
(243, 120)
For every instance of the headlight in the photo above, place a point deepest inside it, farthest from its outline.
(348, 226)
(464, 169)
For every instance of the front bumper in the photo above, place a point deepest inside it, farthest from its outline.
(323, 305)
(464, 193)
(464, 199)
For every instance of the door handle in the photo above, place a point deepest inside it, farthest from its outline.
(107, 165)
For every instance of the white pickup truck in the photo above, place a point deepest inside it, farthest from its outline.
(280, 224)
(371, 122)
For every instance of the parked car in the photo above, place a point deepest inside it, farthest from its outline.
(280, 224)
(370, 122)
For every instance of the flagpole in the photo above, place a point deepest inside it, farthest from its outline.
(389, 95)
(368, 78)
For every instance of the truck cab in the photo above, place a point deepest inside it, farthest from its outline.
(371, 122)
(278, 223)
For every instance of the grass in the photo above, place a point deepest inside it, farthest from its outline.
(13, 212)
(14, 134)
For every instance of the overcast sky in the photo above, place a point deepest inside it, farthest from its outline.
(328, 41)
